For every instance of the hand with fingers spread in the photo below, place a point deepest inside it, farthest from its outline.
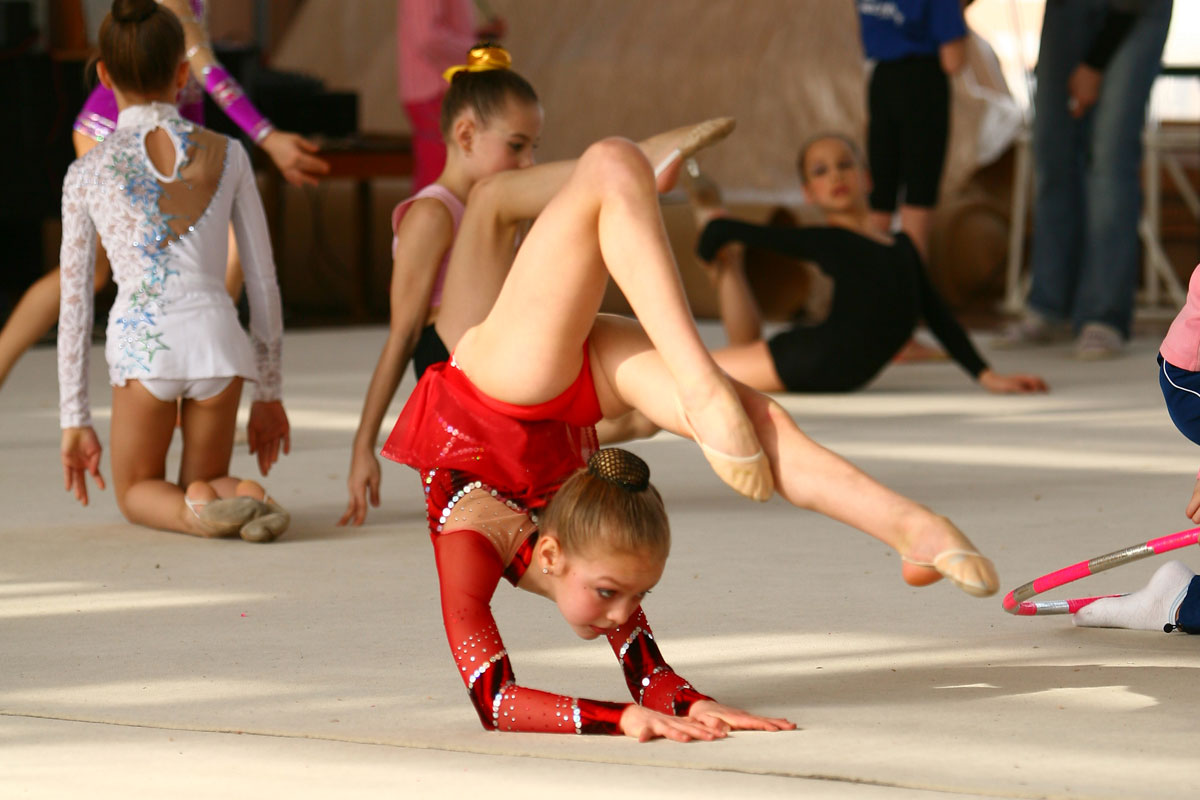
(80, 454)
(267, 431)
(363, 484)
(643, 724)
(294, 156)
(722, 717)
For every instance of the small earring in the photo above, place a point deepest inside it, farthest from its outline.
(545, 570)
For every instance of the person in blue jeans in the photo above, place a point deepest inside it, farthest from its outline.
(1097, 62)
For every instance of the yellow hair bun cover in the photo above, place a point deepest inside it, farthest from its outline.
(481, 59)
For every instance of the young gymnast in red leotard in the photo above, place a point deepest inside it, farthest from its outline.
(502, 430)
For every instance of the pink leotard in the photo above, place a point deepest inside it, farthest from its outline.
(454, 206)
(1181, 347)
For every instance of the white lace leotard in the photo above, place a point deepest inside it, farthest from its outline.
(167, 240)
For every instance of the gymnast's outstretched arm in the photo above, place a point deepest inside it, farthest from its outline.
(469, 569)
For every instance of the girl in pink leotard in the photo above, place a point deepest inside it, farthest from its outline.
(491, 121)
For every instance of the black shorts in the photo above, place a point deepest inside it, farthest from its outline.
(430, 350)
(909, 106)
(813, 359)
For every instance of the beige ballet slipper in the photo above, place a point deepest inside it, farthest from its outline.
(969, 570)
(226, 517)
(701, 135)
(269, 526)
(749, 476)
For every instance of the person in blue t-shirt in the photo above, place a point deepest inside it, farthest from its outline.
(915, 45)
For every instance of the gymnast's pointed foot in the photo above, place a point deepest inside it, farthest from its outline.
(942, 551)
(667, 151)
(1150, 608)
(736, 456)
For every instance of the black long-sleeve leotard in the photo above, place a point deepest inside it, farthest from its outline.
(880, 293)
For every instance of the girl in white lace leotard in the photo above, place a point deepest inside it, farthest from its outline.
(161, 193)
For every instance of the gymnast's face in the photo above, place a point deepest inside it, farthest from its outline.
(596, 592)
(507, 141)
(834, 180)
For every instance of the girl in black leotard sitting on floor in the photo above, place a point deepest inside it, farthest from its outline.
(880, 290)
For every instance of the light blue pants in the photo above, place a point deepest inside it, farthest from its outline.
(1087, 184)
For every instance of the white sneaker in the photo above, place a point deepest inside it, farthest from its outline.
(1098, 341)
(1033, 329)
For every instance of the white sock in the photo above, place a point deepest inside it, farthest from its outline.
(1147, 609)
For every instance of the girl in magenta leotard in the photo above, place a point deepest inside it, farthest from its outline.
(37, 310)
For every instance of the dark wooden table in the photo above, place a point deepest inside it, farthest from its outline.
(360, 159)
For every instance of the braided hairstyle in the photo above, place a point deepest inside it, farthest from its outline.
(610, 506)
(141, 45)
(484, 85)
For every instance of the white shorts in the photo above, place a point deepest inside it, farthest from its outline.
(169, 390)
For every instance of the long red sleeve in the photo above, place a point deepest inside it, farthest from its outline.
(650, 678)
(468, 571)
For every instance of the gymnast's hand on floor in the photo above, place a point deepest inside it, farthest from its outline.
(719, 716)
(80, 453)
(364, 476)
(1016, 383)
(267, 429)
(1193, 506)
(643, 724)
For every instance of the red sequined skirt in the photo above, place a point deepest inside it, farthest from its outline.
(524, 453)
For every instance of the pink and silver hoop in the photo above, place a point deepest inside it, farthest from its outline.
(1017, 601)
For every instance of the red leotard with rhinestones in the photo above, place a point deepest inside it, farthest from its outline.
(486, 467)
